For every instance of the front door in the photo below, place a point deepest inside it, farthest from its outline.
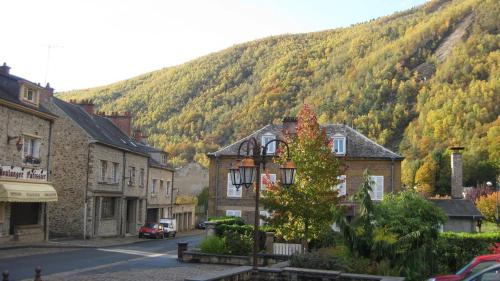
(130, 223)
(23, 214)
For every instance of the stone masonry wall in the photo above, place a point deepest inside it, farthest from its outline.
(15, 123)
(162, 198)
(69, 175)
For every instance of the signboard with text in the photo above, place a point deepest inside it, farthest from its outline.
(21, 173)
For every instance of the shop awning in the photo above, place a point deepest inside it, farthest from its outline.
(26, 192)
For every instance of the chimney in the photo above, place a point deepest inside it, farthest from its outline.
(46, 94)
(138, 137)
(124, 121)
(86, 104)
(289, 125)
(456, 172)
(4, 69)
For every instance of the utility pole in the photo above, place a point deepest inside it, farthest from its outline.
(47, 63)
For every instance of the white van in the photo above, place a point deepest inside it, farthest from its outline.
(170, 226)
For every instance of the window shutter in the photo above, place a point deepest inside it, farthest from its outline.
(231, 189)
(378, 188)
(36, 148)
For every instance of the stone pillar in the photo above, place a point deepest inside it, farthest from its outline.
(269, 242)
(210, 228)
(456, 172)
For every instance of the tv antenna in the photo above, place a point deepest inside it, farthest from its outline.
(49, 48)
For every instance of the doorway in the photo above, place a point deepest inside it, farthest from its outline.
(23, 214)
(130, 219)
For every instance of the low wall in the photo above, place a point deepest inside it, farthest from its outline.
(244, 273)
(198, 257)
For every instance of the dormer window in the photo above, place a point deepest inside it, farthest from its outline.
(271, 148)
(29, 95)
(164, 159)
(339, 146)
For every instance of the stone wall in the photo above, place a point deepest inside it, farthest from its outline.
(460, 225)
(391, 171)
(162, 198)
(69, 175)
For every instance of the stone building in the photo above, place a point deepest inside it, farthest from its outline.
(357, 151)
(99, 172)
(26, 147)
(160, 182)
(190, 180)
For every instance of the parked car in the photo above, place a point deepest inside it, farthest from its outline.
(152, 230)
(169, 226)
(491, 273)
(202, 225)
(477, 264)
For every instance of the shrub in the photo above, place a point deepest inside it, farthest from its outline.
(246, 229)
(486, 205)
(237, 243)
(227, 220)
(318, 260)
(213, 245)
(454, 250)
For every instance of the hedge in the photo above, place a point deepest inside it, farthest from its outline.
(227, 220)
(454, 250)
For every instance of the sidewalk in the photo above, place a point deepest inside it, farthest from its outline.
(92, 243)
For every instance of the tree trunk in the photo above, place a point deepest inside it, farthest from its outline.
(305, 244)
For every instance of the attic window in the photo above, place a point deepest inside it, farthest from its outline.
(271, 148)
(29, 95)
(339, 146)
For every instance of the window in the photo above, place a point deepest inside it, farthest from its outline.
(30, 95)
(153, 186)
(108, 207)
(141, 178)
(164, 158)
(114, 172)
(161, 185)
(266, 181)
(271, 148)
(2, 212)
(104, 167)
(233, 213)
(231, 188)
(131, 175)
(167, 189)
(342, 186)
(31, 149)
(339, 144)
(377, 188)
(263, 214)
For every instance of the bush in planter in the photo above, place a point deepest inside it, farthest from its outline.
(318, 260)
(213, 245)
(236, 243)
(246, 229)
(227, 220)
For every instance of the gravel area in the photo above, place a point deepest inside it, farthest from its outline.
(163, 274)
(21, 252)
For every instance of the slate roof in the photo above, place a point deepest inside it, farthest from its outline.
(9, 91)
(153, 162)
(459, 208)
(100, 128)
(358, 145)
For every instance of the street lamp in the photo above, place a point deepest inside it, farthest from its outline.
(245, 172)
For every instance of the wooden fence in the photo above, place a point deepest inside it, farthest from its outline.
(286, 249)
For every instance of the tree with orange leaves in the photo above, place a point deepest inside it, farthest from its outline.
(305, 209)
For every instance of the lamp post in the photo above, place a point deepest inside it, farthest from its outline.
(246, 171)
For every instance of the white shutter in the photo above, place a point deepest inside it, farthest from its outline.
(231, 189)
(263, 214)
(271, 178)
(378, 188)
(36, 148)
(233, 213)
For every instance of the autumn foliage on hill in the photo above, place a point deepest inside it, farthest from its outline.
(363, 75)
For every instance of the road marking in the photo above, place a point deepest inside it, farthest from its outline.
(137, 253)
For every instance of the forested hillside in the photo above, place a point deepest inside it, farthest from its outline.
(365, 75)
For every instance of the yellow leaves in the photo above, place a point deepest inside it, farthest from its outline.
(487, 206)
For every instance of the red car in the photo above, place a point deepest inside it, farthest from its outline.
(477, 264)
(153, 230)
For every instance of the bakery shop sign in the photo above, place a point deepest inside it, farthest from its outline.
(21, 173)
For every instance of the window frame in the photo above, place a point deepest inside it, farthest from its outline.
(153, 186)
(342, 186)
(373, 194)
(34, 145)
(263, 187)
(271, 149)
(34, 95)
(231, 187)
(114, 172)
(131, 174)
(108, 208)
(234, 212)
(342, 138)
(103, 170)
(167, 187)
(142, 174)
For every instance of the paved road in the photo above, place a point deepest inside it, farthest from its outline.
(150, 254)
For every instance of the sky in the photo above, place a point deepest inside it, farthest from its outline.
(76, 44)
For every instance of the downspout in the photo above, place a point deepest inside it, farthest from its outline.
(147, 191)
(392, 175)
(123, 194)
(85, 200)
(217, 164)
(49, 171)
(172, 196)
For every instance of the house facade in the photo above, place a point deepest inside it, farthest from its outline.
(99, 171)
(26, 129)
(356, 150)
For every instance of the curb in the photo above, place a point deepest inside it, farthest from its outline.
(69, 246)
